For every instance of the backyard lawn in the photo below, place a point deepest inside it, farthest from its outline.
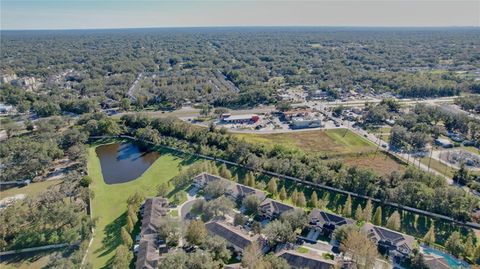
(109, 203)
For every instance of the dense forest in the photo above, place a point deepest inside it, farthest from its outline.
(81, 71)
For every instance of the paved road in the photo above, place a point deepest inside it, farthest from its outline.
(185, 207)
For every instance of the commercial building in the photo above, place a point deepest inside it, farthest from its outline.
(290, 114)
(302, 123)
(248, 118)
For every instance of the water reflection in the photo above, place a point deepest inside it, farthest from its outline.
(123, 162)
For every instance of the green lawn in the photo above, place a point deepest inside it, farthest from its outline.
(109, 202)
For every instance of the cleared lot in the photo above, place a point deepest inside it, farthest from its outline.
(336, 144)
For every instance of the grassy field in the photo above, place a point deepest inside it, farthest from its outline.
(337, 144)
(109, 202)
(330, 142)
(30, 190)
(439, 166)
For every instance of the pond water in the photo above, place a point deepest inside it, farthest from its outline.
(123, 162)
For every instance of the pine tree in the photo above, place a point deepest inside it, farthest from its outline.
(301, 201)
(476, 255)
(126, 238)
(367, 212)
(253, 182)
(214, 169)
(347, 208)
(235, 178)
(224, 172)
(469, 247)
(429, 237)
(272, 186)
(377, 217)
(314, 200)
(294, 196)
(394, 221)
(209, 166)
(359, 213)
(283, 194)
(250, 180)
(130, 225)
(323, 203)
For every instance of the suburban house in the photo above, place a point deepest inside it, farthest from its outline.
(153, 210)
(235, 190)
(239, 191)
(325, 222)
(271, 209)
(237, 238)
(306, 260)
(390, 242)
(203, 178)
(151, 246)
(148, 255)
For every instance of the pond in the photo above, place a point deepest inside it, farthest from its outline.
(123, 162)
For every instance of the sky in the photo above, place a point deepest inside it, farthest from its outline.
(88, 14)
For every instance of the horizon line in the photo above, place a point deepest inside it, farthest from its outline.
(246, 26)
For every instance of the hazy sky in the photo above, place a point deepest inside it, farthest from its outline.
(68, 14)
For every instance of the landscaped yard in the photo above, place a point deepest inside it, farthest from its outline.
(109, 203)
(339, 144)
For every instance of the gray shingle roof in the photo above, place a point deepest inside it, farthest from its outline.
(232, 235)
(305, 260)
(271, 207)
(402, 242)
(321, 217)
(148, 256)
(153, 210)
